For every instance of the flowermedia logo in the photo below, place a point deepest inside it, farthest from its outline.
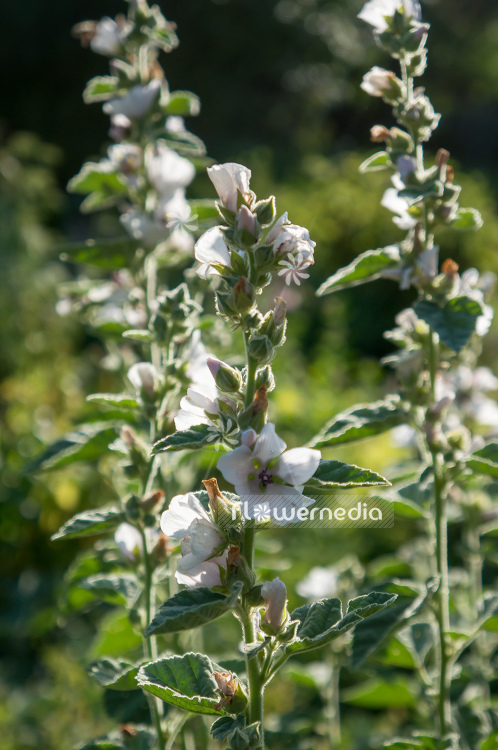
(323, 511)
(293, 268)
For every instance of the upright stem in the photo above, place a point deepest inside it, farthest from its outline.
(255, 710)
(150, 644)
(443, 594)
(251, 374)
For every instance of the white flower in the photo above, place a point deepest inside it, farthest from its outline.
(319, 583)
(175, 124)
(377, 81)
(166, 170)
(144, 228)
(291, 239)
(211, 248)
(275, 595)
(259, 467)
(144, 377)
(107, 38)
(187, 520)
(193, 408)
(136, 103)
(129, 541)
(375, 12)
(399, 206)
(469, 287)
(229, 180)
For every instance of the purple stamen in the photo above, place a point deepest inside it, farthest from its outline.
(265, 478)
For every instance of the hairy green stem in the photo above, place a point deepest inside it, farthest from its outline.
(251, 374)
(443, 594)
(150, 644)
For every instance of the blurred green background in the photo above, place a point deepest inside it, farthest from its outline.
(279, 86)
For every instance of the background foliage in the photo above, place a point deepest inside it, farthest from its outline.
(278, 83)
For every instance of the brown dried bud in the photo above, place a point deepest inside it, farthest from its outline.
(279, 311)
(161, 549)
(450, 269)
(260, 402)
(442, 157)
(449, 175)
(129, 437)
(213, 491)
(152, 499)
(128, 730)
(233, 557)
(380, 134)
(84, 31)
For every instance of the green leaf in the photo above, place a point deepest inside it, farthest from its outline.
(111, 254)
(361, 421)
(485, 460)
(103, 187)
(183, 103)
(184, 681)
(366, 267)
(373, 631)
(138, 737)
(116, 636)
(405, 508)
(114, 674)
(100, 88)
(319, 623)
(191, 608)
(88, 443)
(371, 603)
(378, 694)
(468, 219)
(225, 725)
(205, 210)
(419, 639)
(194, 437)
(114, 588)
(90, 522)
(490, 743)
(338, 474)
(380, 160)
(117, 400)
(139, 334)
(454, 323)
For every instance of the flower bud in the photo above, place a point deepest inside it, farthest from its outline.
(264, 256)
(274, 594)
(233, 698)
(246, 224)
(279, 311)
(230, 181)
(380, 134)
(144, 377)
(228, 379)
(265, 377)
(217, 502)
(266, 211)
(151, 500)
(255, 415)
(261, 349)
(243, 296)
(383, 83)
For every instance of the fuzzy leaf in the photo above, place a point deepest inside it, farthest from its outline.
(110, 254)
(371, 603)
(114, 588)
(454, 323)
(468, 219)
(361, 421)
(102, 186)
(114, 674)
(366, 267)
(183, 103)
(339, 474)
(116, 400)
(194, 437)
(184, 681)
(100, 88)
(380, 160)
(378, 694)
(90, 522)
(191, 608)
(225, 725)
(88, 443)
(485, 460)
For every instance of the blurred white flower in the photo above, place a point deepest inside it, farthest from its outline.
(377, 81)
(320, 583)
(144, 377)
(399, 206)
(129, 541)
(187, 521)
(375, 12)
(107, 38)
(166, 170)
(136, 103)
(229, 181)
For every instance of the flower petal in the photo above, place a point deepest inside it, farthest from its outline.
(237, 465)
(298, 465)
(268, 445)
(182, 512)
